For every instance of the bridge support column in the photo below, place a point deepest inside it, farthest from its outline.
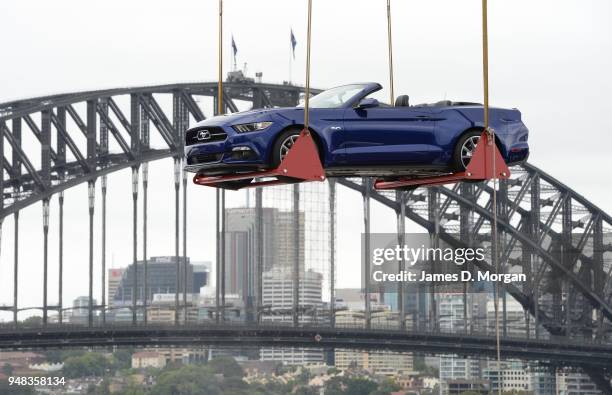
(145, 145)
(534, 222)
(400, 197)
(60, 290)
(103, 303)
(135, 175)
(465, 235)
(45, 258)
(296, 254)
(218, 255)
(222, 231)
(502, 210)
(145, 274)
(566, 259)
(367, 187)
(91, 195)
(259, 256)
(185, 247)
(177, 184)
(332, 252)
(16, 268)
(434, 237)
(599, 274)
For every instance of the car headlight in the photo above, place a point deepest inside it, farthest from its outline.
(251, 127)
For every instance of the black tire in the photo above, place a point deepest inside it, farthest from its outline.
(466, 141)
(280, 140)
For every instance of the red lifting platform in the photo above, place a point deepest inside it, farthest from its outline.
(301, 164)
(480, 168)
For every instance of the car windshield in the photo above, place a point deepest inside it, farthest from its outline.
(335, 97)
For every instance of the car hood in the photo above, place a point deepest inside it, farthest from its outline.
(259, 115)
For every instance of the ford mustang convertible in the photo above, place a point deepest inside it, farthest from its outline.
(355, 136)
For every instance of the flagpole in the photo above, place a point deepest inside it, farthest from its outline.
(290, 58)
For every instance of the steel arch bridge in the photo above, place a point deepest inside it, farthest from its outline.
(547, 230)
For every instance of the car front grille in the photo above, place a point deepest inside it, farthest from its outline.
(199, 159)
(204, 135)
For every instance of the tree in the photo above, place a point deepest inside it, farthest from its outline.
(34, 320)
(187, 380)
(122, 359)
(304, 390)
(87, 365)
(226, 366)
(386, 387)
(360, 386)
(7, 369)
(6, 389)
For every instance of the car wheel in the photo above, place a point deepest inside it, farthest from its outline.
(464, 149)
(283, 144)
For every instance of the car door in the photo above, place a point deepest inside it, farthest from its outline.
(389, 135)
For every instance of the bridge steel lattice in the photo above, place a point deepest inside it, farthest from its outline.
(546, 230)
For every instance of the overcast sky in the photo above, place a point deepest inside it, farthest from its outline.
(549, 58)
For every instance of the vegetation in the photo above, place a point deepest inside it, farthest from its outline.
(87, 365)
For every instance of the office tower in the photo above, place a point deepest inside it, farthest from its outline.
(114, 279)
(161, 279)
(201, 276)
(451, 315)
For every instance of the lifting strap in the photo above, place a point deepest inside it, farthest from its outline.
(490, 135)
(307, 90)
(390, 43)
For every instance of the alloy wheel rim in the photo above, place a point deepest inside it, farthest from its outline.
(287, 144)
(467, 150)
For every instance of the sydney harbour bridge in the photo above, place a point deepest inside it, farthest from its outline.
(549, 232)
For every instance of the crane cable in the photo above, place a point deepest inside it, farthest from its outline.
(307, 90)
(490, 135)
(390, 42)
(220, 80)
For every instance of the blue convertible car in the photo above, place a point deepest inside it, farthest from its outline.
(356, 136)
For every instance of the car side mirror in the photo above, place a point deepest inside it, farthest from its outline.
(368, 102)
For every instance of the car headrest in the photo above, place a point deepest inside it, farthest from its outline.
(402, 101)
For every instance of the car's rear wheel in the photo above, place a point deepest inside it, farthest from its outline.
(464, 149)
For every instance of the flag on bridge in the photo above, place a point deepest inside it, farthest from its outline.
(293, 43)
(234, 47)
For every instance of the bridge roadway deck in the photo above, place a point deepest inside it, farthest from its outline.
(555, 352)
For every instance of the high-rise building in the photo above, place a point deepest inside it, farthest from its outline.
(277, 294)
(277, 299)
(161, 279)
(378, 362)
(575, 383)
(201, 276)
(114, 279)
(542, 380)
(516, 324)
(452, 318)
(511, 376)
(241, 246)
(79, 314)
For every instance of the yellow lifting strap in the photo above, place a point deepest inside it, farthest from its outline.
(491, 140)
(307, 91)
(390, 43)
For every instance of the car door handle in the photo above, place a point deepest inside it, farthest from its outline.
(423, 117)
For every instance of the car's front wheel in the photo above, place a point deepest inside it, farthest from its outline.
(464, 149)
(283, 144)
